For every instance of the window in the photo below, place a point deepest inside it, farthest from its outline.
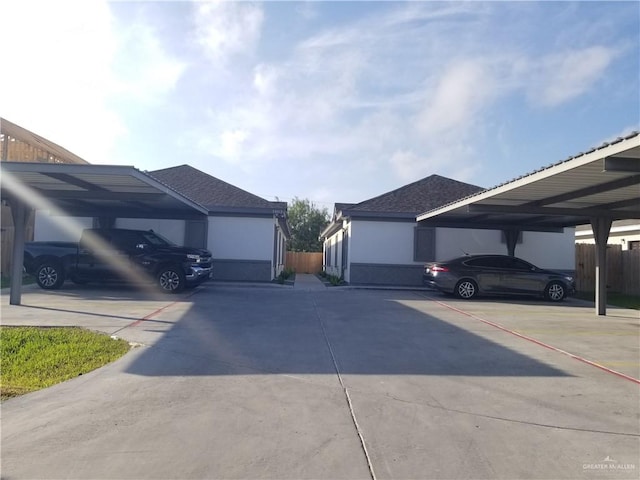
(521, 265)
(126, 241)
(634, 245)
(345, 250)
(424, 244)
(483, 262)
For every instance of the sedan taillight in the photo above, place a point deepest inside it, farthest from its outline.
(438, 268)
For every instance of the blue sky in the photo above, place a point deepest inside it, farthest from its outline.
(331, 101)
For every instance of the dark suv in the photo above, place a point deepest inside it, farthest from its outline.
(472, 275)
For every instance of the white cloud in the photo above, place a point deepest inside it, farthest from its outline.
(450, 156)
(402, 93)
(565, 76)
(265, 78)
(408, 164)
(56, 74)
(307, 9)
(143, 70)
(231, 142)
(68, 61)
(227, 28)
(461, 92)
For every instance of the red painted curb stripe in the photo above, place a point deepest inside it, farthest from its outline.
(156, 312)
(150, 316)
(538, 342)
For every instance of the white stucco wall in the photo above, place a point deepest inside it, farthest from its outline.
(170, 229)
(382, 242)
(549, 250)
(281, 252)
(50, 228)
(393, 243)
(241, 238)
(333, 248)
(348, 237)
(546, 250)
(454, 242)
(622, 235)
(56, 228)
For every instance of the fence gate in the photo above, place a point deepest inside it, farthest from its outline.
(304, 262)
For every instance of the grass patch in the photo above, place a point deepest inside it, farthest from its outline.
(617, 299)
(35, 358)
(332, 280)
(288, 275)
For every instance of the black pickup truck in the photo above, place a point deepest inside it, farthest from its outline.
(117, 255)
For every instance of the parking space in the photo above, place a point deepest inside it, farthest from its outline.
(570, 327)
(233, 381)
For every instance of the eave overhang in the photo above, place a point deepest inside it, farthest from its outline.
(602, 183)
(93, 191)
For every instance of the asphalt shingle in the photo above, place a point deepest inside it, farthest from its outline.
(207, 190)
(417, 197)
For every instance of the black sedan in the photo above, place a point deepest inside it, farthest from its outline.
(472, 275)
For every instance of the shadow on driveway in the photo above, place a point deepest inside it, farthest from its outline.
(235, 332)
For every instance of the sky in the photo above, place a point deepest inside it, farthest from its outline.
(327, 101)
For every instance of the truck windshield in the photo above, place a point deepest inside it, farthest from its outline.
(152, 238)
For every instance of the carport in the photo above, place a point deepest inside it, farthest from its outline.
(105, 192)
(596, 187)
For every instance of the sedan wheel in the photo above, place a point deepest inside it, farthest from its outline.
(466, 289)
(555, 292)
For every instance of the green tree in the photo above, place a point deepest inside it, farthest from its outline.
(306, 222)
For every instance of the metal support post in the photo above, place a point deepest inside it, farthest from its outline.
(601, 228)
(20, 212)
(511, 237)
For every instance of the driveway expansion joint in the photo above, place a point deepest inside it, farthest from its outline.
(352, 412)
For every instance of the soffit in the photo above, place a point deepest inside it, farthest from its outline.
(94, 190)
(604, 182)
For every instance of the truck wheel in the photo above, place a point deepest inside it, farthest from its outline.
(50, 276)
(171, 279)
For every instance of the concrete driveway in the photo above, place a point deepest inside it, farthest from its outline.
(233, 381)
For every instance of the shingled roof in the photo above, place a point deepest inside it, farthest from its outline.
(207, 190)
(417, 197)
(404, 203)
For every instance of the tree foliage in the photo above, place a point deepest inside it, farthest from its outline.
(306, 222)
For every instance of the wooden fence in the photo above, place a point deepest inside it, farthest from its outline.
(304, 262)
(623, 269)
(6, 238)
(631, 271)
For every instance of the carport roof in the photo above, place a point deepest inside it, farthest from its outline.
(94, 190)
(601, 183)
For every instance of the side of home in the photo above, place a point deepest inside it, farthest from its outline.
(379, 242)
(625, 233)
(246, 234)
